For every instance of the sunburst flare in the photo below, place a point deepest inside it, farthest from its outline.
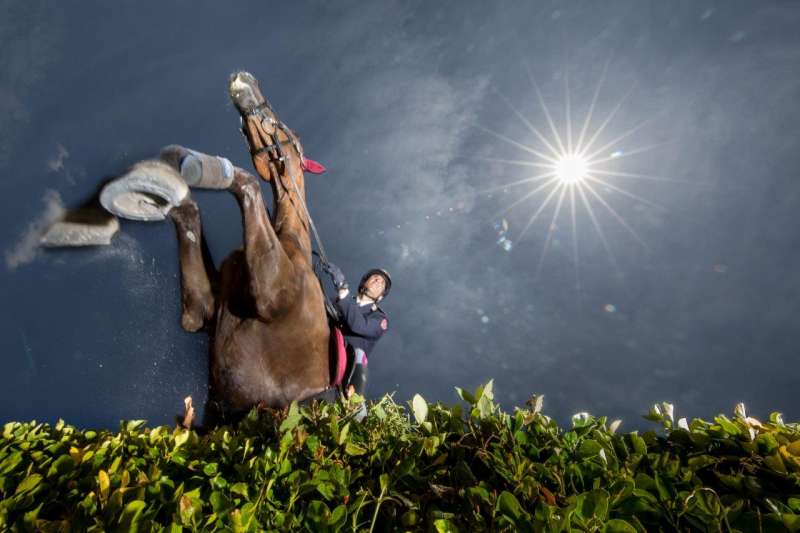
(572, 171)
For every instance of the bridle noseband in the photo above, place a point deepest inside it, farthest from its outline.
(275, 148)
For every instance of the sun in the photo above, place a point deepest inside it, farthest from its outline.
(573, 174)
(571, 169)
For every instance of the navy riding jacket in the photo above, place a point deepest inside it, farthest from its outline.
(362, 327)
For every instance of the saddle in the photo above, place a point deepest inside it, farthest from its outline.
(338, 356)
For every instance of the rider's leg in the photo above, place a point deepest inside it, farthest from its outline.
(358, 374)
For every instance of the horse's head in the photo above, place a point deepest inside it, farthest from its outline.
(275, 149)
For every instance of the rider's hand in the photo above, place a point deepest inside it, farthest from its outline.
(337, 276)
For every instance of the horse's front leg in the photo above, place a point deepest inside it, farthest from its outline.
(274, 284)
(198, 274)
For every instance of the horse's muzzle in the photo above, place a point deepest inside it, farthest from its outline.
(245, 92)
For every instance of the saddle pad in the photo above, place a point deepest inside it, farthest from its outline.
(340, 356)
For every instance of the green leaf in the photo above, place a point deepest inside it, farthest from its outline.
(638, 444)
(353, 449)
(132, 515)
(420, 408)
(317, 514)
(28, 484)
(292, 418)
(384, 482)
(701, 461)
(61, 466)
(775, 462)
(485, 391)
(189, 505)
(240, 489)
(219, 502)
(430, 445)
(343, 434)
(465, 395)
(117, 460)
(444, 525)
(327, 490)
(29, 518)
(134, 425)
(728, 426)
(485, 406)
(776, 418)
(791, 521)
(10, 463)
(210, 469)
(409, 518)
(337, 518)
(334, 428)
(181, 437)
(312, 443)
(104, 483)
(508, 505)
(589, 448)
(617, 525)
(621, 490)
(767, 443)
(478, 493)
(594, 504)
(488, 389)
(664, 488)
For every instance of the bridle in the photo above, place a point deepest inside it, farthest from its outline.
(278, 158)
(274, 150)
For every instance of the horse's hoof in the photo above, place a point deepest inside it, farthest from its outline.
(146, 192)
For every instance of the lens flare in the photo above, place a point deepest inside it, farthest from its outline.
(572, 171)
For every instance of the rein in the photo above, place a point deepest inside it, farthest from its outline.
(281, 160)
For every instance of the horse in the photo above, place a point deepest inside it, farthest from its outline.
(265, 309)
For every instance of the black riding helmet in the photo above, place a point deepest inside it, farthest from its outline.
(381, 272)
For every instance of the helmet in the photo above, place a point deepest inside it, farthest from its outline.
(381, 272)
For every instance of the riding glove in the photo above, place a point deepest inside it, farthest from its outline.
(337, 276)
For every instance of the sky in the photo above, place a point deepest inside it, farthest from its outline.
(681, 284)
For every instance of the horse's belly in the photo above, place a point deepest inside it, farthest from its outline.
(256, 362)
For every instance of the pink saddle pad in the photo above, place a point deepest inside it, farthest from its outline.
(341, 356)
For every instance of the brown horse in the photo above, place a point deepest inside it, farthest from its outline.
(264, 310)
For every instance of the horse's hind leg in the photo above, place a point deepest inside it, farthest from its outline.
(198, 275)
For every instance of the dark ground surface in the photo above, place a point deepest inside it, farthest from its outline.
(388, 97)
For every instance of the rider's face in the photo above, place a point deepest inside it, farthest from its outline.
(375, 285)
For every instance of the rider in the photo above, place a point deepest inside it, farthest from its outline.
(363, 322)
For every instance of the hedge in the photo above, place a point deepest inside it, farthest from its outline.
(429, 467)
